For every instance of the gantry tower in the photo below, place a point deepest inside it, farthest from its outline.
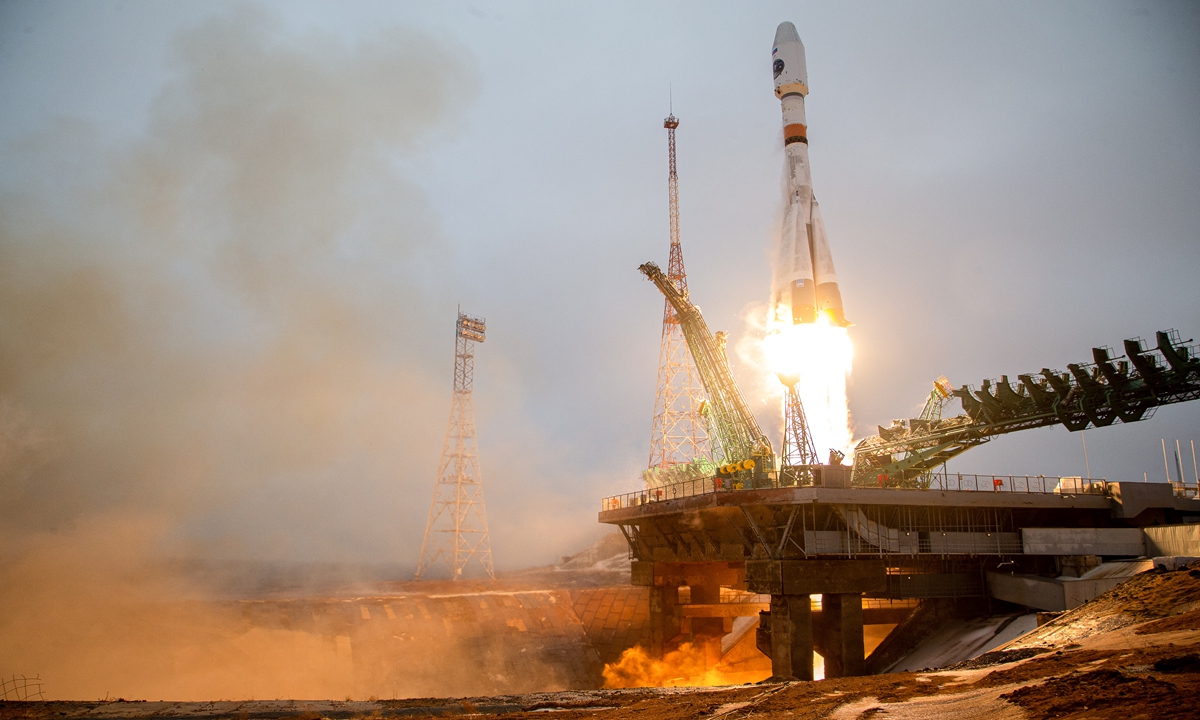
(679, 434)
(456, 532)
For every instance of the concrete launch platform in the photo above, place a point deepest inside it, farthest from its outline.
(963, 536)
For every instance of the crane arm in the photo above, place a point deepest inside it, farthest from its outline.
(1091, 395)
(736, 429)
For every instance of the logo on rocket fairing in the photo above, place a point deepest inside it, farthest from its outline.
(778, 66)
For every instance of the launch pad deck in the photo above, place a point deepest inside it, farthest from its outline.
(1015, 542)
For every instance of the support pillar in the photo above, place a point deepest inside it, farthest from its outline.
(664, 617)
(788, 637)
(841, 630)
(791, 636)
(668, 626)
(707, 632)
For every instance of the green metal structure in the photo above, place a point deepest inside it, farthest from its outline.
(1108, 390)
(730, 421)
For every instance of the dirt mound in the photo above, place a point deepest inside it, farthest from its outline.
(1189, 663)
(1171, 598)
(1186, 621)
(1107, 694)
(997, 657)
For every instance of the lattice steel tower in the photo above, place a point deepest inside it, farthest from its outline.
(799, 451)
(680, 434)
(457, 532)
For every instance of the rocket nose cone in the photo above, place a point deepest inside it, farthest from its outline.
(786, 32)
(787, 62)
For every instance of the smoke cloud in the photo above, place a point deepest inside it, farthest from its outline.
(222, 313)
(209, 347)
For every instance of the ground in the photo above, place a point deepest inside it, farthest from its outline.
(1131, 653)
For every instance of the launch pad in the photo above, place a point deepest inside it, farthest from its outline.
(891, 527)
(847, 543)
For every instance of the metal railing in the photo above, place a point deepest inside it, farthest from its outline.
(1040, 484)
(1184, 490)
(674, 491)
(972, 482)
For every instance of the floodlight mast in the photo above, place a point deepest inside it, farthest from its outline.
(456, 532)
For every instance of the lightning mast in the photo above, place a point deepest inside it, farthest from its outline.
(679, 435)
(456, 532)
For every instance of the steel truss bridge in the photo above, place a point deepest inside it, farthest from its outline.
(1111, 389)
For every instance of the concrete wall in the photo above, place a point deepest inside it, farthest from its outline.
(1173, 540)
(1062, 593)
(981, 543)
(1136, 498)
(1122, 542)
(614, 618)
(1077, 592)
(1028, 590)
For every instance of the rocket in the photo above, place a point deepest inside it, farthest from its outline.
(804, 285)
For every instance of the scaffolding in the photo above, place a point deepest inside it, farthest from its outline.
(456, 532)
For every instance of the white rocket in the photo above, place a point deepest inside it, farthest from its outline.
(804, 283)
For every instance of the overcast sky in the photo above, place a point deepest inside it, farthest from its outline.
(234, 237)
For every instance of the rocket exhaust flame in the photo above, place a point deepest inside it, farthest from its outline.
(686, 666)
(821, 354)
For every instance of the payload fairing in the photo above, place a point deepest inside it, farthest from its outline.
(804, 285)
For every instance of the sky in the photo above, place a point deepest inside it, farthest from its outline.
(234, 237)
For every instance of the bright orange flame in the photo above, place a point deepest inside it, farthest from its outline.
(821, 355)
(684, 667)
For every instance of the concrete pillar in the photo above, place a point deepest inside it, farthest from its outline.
(834, 580)
(668, 627)
(841, 630)
(707, 632)
(664, 616)
(791, 636)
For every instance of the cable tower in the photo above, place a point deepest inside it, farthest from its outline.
(679, 435)
(457, 532)
(799, 451)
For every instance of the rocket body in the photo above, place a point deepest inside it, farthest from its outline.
(804, 285)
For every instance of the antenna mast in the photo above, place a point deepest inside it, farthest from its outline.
(679, 435)
(456, 532)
